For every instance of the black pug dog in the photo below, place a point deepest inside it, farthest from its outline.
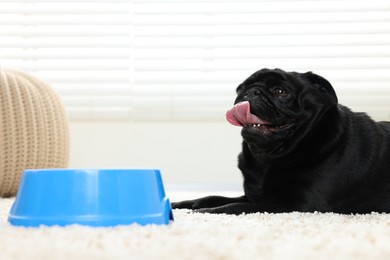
(302, 151)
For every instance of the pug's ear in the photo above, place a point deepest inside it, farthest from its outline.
(321, 83)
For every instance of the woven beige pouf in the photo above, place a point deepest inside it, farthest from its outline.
(33, 129)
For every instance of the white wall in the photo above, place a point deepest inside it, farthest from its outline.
(196, 154)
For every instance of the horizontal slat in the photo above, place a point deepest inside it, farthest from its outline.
(63, 7)
(67, 1)
(181, 102)
(265, 18)
(87, 47)
(70, 65)
(215, 30)
(76, 47)
(100, 101)
(54, 77)
(227, 64)
(213, 7)
(188, 90)
(203, 65)
(66, 53)
(229, 77)
(262, 41)
(93, 89)
(64, 30)
(62, 42)
(101, 25)
(278, 29)
(82, 19)
(265, 52)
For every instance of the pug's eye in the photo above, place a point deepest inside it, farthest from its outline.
(278, 92)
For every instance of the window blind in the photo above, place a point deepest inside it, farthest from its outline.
(182, 60)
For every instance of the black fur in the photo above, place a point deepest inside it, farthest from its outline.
(328, 158)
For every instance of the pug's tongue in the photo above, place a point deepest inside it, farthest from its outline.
(240, 115)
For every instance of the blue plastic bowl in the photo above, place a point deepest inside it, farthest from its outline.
(90, 197)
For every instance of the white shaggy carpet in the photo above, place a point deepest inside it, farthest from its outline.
(205, 236)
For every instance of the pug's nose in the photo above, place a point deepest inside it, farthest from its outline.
(252, 93)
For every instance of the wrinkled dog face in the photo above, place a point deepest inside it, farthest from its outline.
(274, 104)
